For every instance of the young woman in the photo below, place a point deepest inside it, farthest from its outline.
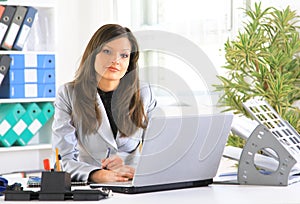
(100, 116)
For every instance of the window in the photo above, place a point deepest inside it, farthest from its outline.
(206, 25)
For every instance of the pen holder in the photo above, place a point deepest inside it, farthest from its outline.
(54, 185)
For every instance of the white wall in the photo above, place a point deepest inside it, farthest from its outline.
(76, 22)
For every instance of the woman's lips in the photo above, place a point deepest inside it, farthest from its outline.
(113, 69)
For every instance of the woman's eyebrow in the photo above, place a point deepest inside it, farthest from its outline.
(125, 49)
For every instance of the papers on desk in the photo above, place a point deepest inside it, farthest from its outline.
(35, 181)
(226, 178)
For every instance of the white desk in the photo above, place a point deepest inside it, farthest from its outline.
(213, 194)
(217, 194)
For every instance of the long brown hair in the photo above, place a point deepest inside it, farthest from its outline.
(127, 105)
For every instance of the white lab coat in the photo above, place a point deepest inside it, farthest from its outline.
(82, 154)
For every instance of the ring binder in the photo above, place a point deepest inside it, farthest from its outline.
(19, 132)
(2, 8)
(4, 66)
(6, 20)
(9, 115)
(25, 28)
(14, 28)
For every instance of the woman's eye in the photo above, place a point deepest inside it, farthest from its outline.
(124, 55)
(106, 51)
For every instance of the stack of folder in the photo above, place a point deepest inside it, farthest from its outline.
(20, 122)
(15, 25)
(29, 76)
(9, 116)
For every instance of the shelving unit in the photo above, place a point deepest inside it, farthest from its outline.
(41, 40)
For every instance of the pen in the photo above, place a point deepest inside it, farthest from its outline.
(107, 153)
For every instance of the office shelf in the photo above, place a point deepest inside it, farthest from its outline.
(26, 100)
(27, 158)
(41, 40)
(5, 52)
(25, 148)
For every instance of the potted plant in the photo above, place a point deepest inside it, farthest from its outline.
(263, 61)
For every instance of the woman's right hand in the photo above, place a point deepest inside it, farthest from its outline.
(123, 173)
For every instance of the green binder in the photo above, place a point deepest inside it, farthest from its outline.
(20, 129)
(10, 113)
(47, 111)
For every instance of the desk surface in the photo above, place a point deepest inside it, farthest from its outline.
(213, 194)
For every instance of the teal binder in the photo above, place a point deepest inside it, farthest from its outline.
(20, 130)
(47, 111)
(9, 115)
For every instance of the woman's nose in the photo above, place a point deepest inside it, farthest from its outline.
(116, 59)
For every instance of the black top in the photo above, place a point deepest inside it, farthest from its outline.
(106, 100)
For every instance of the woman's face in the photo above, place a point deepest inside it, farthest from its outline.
(112, 61)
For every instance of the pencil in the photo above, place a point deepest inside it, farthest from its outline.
(57, 160)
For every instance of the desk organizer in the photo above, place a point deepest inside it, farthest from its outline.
(56, 186)
(274, 139)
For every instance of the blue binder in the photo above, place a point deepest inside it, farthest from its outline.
(42, 61)
(18, 61)
(46, 61)
(15, 76)
(45, 76)
(12, 91)
(28, 90)
(30, 76)
(46, 90)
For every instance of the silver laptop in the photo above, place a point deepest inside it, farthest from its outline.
(178, 152)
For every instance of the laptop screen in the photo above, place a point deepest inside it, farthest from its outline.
(178, 152)
(182, 148)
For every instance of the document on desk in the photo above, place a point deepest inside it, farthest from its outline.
(35, 182)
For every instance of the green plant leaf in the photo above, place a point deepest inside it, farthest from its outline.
(264, 61)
